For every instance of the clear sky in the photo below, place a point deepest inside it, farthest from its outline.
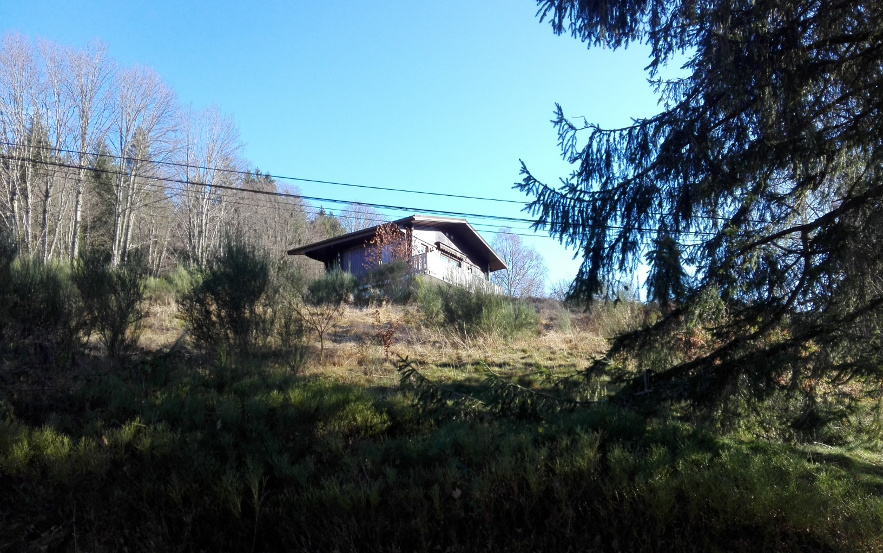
(430, 96)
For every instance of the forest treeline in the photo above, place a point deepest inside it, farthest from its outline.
(97, 155)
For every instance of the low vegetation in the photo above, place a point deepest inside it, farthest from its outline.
(409, 433)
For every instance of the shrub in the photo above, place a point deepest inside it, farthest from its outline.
(321, 307)
(476, 310)
(284, 325)
(332, 288)
(610, 318)
(242, 304)
(182, 280)
(158, 290)
(41, 311)
(390, 282)
(221, 308)
(169, 288)
(112, 299)
(7, 256)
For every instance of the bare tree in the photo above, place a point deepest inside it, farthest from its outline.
(54, 112)
(141, 132)
(82, 151)
(18, 88)
(266, 215)
(48, 97)
(154, 229)
(525, 275)
(90, 73)
(356, 216)
(321, 318)
(558, 290)
(208, 147)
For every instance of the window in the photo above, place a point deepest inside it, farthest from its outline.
(450, 258)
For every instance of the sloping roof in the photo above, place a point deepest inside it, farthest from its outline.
(457, 227)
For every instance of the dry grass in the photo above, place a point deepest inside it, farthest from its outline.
(162, 328)
(355, 353)
(564, 342)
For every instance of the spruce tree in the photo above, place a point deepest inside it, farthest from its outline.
(762, 179)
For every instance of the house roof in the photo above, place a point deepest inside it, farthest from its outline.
(455, 227)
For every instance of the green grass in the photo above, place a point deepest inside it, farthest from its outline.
(170, 454)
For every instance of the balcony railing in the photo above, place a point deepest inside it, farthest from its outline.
(468, 276)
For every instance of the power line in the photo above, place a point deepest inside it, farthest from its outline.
(335, 183)
(346, 202)
(281, 194)
(279, 177)
(340, 213)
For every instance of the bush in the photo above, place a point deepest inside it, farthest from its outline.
(158, 290)
(221, 308)
(474, 311)
(333, 288)
(40, 311)
(7, 256)
(241, 304)
(389, 282)
(168, 289)
(284, 325)
(112, 300)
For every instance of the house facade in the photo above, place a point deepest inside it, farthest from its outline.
(444, 248)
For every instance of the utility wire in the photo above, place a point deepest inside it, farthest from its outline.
(314, 181)
(338, 201)
(281, 194)
(280, 177)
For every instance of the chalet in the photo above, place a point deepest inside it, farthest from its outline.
(444, 248)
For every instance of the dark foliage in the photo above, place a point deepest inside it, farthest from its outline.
(40, 313)
(763, 175)
(112, 299)
(8, 252)
(223, 309)
(333, 288)
(169, 456)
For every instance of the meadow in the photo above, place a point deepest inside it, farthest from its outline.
(404, 434)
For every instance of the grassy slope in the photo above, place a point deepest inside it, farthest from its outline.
(173, 453)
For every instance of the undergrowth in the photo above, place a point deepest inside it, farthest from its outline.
(474, 311)
(508, 444)
(169, 454)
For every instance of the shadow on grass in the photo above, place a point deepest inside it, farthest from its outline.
(867, 475)
(175, 454)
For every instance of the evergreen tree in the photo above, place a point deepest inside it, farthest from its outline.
(762, 175)
(326, 225)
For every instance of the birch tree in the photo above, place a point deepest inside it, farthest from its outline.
(55, 111)
(84, 147)
(208, 149)
(141, 132)
(90, 74)
(18, 85)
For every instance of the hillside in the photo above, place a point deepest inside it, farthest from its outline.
(175, 450)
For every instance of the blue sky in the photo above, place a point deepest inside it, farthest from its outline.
(432, 96)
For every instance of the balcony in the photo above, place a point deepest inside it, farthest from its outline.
(465, 275)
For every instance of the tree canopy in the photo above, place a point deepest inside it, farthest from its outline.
(760, 182)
